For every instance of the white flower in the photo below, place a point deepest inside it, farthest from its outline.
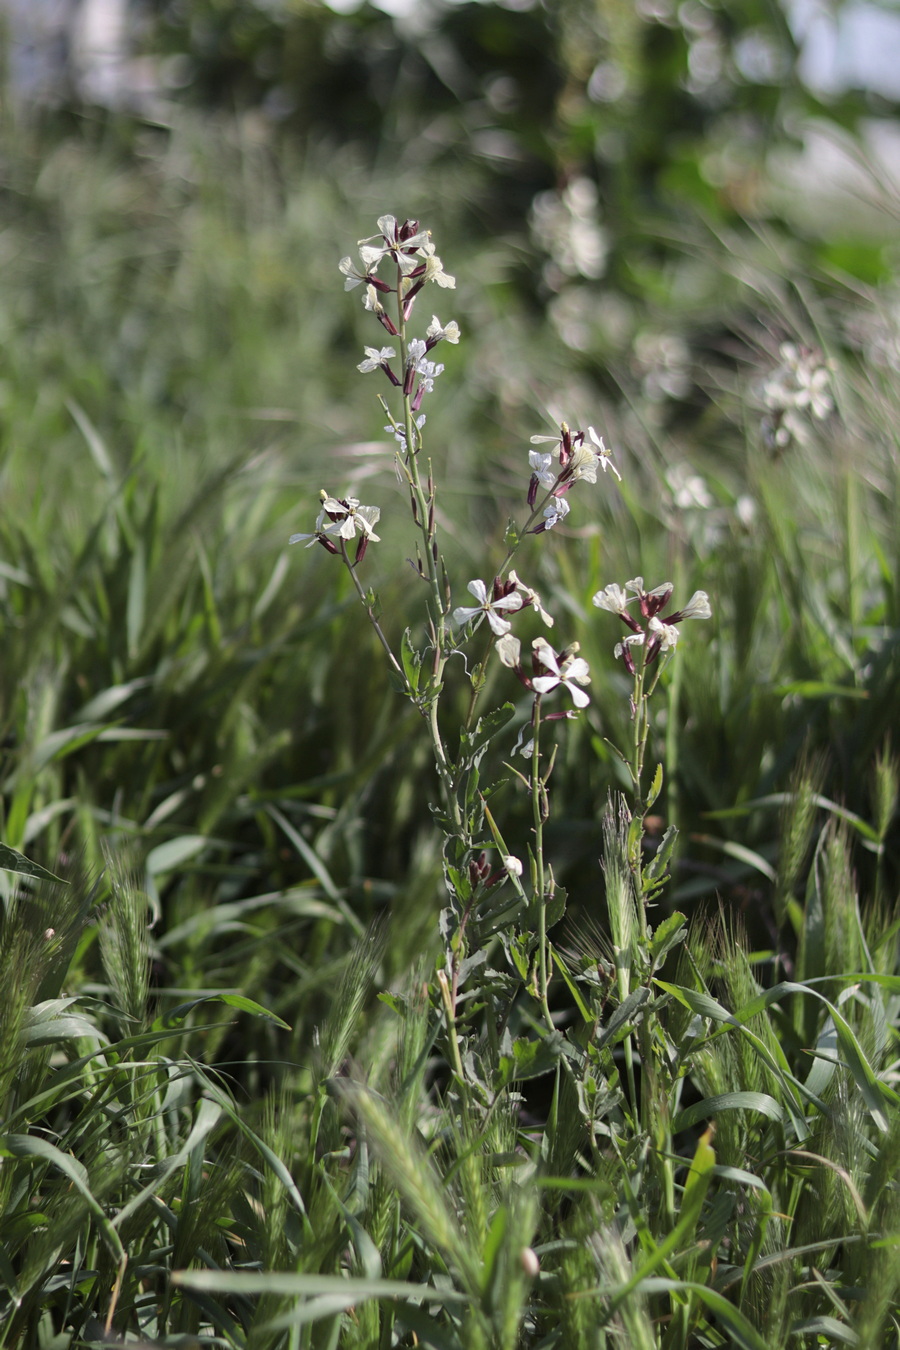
(399, 433)
(555, 511)
(633, 640)
(296, 538)
(698, 607)
(583, 464)
(531, 597)
(509, 649)
(436, 331)
(541, 467)
(666, 634)
(513, 866)
(371, 302)
(812, 390)
(745, 510)
(571, 672)
(689, 490)
(415, 352)
(604, 455)
(375, 358)
(613, 599)
(350, 518)
(434, 268)
(488, 607)
(370, 259)
(428, 372)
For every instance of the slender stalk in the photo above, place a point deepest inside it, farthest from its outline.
(539, 815)
(370, 612)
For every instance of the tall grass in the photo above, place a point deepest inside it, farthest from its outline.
(228, 1114)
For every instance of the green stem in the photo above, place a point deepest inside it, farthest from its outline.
(539, 813)
(370, 612)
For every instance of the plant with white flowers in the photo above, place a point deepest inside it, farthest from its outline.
(494, 894)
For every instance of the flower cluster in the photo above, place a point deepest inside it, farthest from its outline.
(412, 252)
(346, 519)
(800, 384)
(550, 669)
(577, 455)
(659, 632)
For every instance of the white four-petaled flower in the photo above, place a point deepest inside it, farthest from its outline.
(555, 511)
(437, 331)
(612, 598)
(375, 358)
(345, 519)
(541, 467)
(571, 672)
(486, 606)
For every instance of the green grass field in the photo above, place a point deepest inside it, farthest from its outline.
(270, 1074)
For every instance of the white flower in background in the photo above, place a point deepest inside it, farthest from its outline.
(435, 332)
(512, 865)
(570, 673)
(375, 358)
(488, 607)
(566, 225)
(745, 510)
(800, 384)
(689, 490)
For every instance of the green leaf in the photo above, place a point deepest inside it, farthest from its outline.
(739, 852)
(175, 1017)
(667, 935)
(13, 861)
(485, 728)
(658, 866)
(623, 1017)
(522, 1059)
(655, 787)
(411, 660)
(727, 1101)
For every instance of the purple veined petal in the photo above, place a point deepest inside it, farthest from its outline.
(479, 590)
(544, 683)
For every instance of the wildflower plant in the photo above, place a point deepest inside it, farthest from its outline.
(395, 267)
(495, 1016)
